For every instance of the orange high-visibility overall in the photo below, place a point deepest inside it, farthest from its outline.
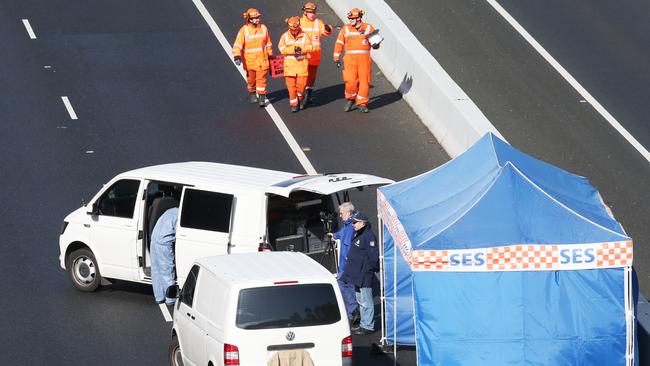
(315, 30)
(357, 65)
(296, 67)
(255, 44)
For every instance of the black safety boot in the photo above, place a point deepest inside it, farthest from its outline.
(294, 108)
(348, 105)
(262, 99)
(364, 109)
(253, 98)
(310, 98)
(303, 103)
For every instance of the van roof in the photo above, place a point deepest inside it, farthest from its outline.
(200, 173)
(209, 175)
(265, 266)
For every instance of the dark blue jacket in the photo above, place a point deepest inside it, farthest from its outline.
(363, 258)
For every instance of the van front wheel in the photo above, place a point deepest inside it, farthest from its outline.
(83, 270)
(175, 357)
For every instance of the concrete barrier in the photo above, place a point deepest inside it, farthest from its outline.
(441, 104)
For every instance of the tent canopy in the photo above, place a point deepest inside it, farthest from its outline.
(497, 252)
(493, 194)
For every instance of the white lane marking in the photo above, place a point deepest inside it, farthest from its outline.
(306, 164)
(68, 106)
(30, 31)
(165, 312)
(573, 82)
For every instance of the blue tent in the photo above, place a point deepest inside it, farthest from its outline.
(497, 258)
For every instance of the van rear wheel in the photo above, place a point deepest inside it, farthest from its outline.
(175, 357)
(83, 270)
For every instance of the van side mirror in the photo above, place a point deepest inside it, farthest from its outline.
(94, 210)
(172, 292)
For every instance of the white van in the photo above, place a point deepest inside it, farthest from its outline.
(243, 309)
(223, 209)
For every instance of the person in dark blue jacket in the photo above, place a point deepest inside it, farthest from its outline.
(362, 263)
(345, 234)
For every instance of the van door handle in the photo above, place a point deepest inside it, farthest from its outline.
(191, 316)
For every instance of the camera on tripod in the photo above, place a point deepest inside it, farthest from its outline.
(327, 218)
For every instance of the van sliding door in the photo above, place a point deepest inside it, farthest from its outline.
(203, 227)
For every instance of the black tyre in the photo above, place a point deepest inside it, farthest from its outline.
(175, 358)
(83, 270)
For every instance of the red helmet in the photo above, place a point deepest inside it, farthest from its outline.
(252, 13)
(355, 13)
(309, 7)
(293, 22)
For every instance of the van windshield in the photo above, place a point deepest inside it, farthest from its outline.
(287, 306)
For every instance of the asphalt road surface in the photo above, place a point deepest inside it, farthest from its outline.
(149, 84)
(603, 44)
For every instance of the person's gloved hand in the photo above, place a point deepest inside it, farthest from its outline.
(271, 57)
(328, 28)
(237, 60)
(338, 64)
(298, 51)
(375, 46)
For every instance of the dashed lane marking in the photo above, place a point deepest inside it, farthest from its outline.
(68, 106)
(30, 31)
(571, 80)
(302, 158)
(165, 312)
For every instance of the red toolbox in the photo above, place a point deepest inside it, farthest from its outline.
(277, 66)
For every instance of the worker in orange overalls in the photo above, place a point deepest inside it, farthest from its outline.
(296, 47)
(254, 42)
(353, 40)
(315, 29)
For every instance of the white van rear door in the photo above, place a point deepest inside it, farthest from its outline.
(305, 317)
(326, 184)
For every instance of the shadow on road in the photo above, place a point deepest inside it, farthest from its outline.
(384, 100)
(335, 93)
(127, 286)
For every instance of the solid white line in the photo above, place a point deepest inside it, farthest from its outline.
(68, 106)
(165, 312)
(573, 82)
(306, 164)
(30, 31)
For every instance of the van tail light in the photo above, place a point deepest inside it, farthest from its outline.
(346, 347)
(264, 247)
(230, 354)
(284, 282)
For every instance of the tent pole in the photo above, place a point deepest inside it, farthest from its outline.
(629, 316)
(382, 282)
(394, 303)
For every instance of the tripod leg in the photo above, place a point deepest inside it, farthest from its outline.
(330, 249)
